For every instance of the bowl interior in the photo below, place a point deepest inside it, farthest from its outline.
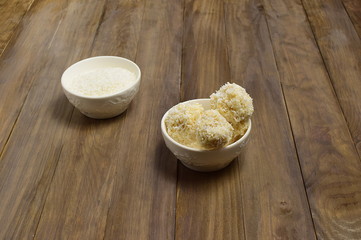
(97, 63)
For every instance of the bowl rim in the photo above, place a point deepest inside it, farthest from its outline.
(228, 147)
(104, 96)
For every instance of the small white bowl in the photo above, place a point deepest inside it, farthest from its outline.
(105, 106)
(204, 160)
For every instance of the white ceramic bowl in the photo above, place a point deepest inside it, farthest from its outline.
(104, 106)
(204, 160)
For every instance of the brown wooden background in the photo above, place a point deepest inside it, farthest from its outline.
(66, 176)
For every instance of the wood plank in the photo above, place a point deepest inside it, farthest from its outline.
(144, 193)
(330, 164)
(11, 13)
(118, 34)
(274, 198)
(30, 158)
(353, 8)
(340, 47)
(204, 43)
(209, 206)
(80, 194)
(17, 65)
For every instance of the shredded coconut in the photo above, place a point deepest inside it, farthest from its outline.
(233, 102)
(213, 130)
(101, 82)
(239, 130)
(181, 121)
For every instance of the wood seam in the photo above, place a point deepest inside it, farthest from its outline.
(232, 77)
(181, 94)
(179, 99)
(101, 19)
(243, 215)
(106, 220)
(16, 28)
(125, 113)
(330, 81)
(52, 177)
(22, 105)
(290, 124)
(15, 122)
(298, 160)
(349, 16)
(48, 188)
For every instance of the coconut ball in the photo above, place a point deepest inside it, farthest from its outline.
(181, 121)
(213, 130)
(239, 130)
(233, 102)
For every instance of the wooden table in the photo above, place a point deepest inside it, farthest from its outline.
(66, 176)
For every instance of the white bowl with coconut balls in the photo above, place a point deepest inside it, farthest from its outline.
(207, 134)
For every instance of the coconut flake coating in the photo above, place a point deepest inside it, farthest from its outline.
(233, 102)
(239, 130)
(181, 121)
(213, 130)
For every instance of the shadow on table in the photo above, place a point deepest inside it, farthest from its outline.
(190, 177)
(65, 114)
(172, 169)
(165, 162)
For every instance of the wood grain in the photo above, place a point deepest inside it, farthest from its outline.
(204, 61)
(209, 206)
(274, 199)
(118, 33)
(80, 195)
(31, 155)
(65, 176)
(33, 44)
(340, 47)
(353, 8)
(330, 164)
(11, 13)
(144, 191)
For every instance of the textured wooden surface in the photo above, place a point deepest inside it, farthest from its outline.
(279, 198)
(353, 8)
(11, 13)
(329, 161)
(66, 176)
